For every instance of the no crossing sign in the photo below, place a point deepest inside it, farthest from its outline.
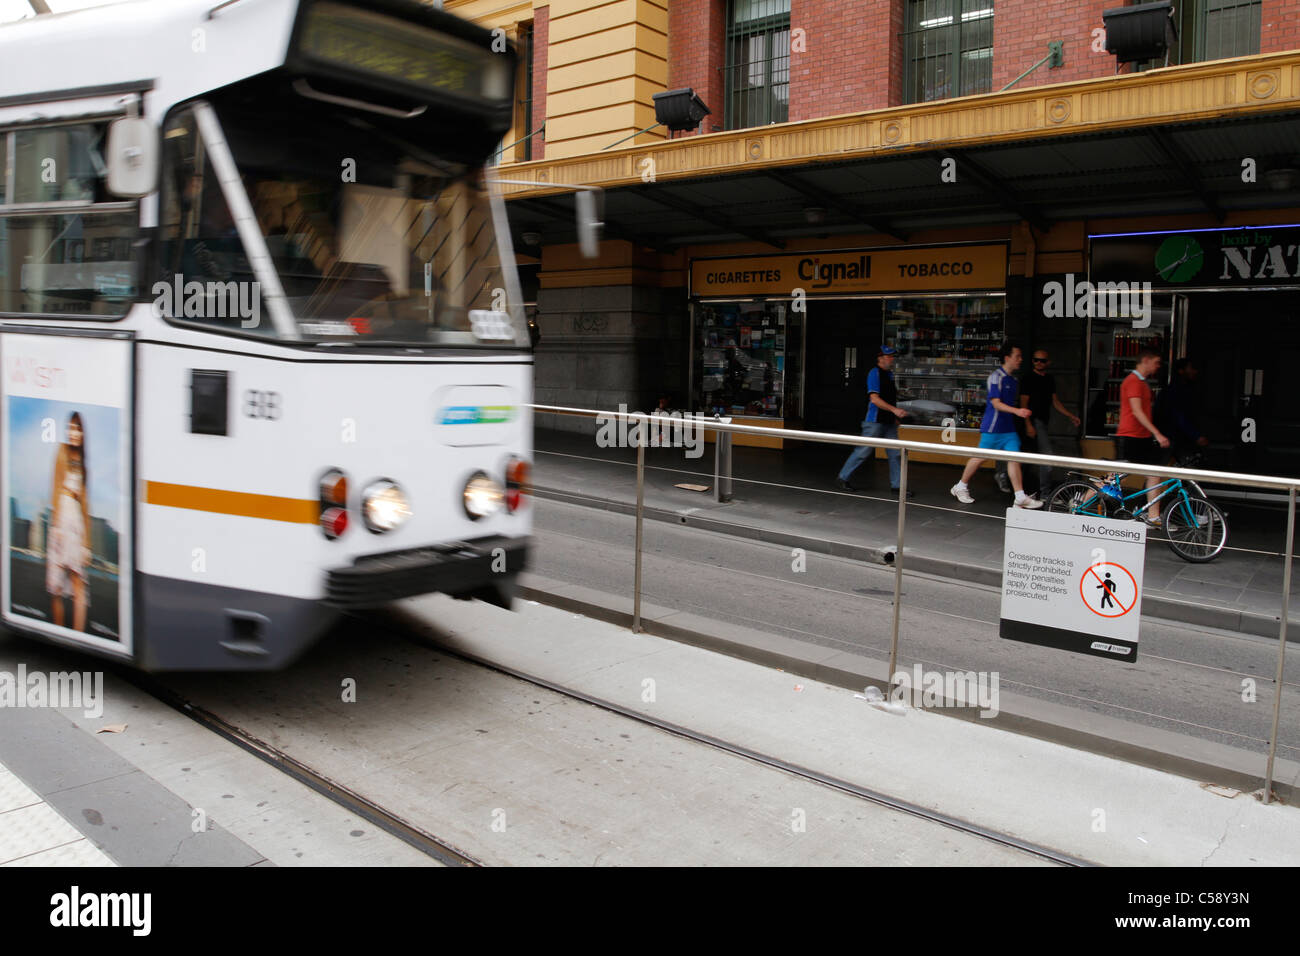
(1073, 582)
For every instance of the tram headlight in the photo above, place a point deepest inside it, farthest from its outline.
(384, 506)
(483, 496)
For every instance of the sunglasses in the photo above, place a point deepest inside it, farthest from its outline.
(1040, 360)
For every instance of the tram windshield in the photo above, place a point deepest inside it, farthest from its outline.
(374, 240)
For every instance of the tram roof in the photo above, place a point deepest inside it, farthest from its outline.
(92, 54)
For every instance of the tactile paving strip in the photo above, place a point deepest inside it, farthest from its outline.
(33, 834)
(14, 793)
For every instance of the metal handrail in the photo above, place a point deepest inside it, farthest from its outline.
(1290, 485)
(950, 449)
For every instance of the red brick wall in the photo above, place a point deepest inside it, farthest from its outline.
(697, 31)
(852, 59)
(541, 54)
(853, 50)
(1022, 29)
(1279, 26)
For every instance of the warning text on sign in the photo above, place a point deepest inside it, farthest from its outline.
(1037, 577)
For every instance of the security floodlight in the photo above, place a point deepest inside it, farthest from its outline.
(1141, 32)
(679, 110)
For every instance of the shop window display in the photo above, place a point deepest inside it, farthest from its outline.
(947, 348)
(747, 358)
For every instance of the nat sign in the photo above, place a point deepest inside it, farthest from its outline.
(1222, 258)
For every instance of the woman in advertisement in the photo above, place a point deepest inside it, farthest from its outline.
(67, 554)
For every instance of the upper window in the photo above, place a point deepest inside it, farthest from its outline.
(1216, 29)
(1210, 30)
(525, 122)
(948, 49)
(758, 62)
(65, 248)
(1229, 28)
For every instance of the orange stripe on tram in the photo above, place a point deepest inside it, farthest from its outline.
(218, 501)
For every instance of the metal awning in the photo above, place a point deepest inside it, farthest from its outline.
(1164, 168)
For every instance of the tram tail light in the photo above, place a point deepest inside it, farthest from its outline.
(333, 503)
(333, 521)
(519, 483)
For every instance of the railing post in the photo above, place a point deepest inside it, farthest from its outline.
(640, 515)
(898, 566)
(722, 466)
(1281, 640)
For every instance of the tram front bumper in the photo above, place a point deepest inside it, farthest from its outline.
(483, 567)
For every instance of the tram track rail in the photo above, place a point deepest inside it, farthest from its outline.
(414, 836)
(449, 854)
(419, 632)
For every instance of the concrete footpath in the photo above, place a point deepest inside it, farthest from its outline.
(790, 498)
(158, 790)
(445, 744)
(1096, 808)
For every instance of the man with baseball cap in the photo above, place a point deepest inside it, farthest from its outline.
(881, 421)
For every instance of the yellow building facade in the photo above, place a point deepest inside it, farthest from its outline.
(596, 66)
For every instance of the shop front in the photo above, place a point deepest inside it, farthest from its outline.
(1227, 299)
(787, 340)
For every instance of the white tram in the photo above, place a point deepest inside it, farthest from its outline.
(264, 357)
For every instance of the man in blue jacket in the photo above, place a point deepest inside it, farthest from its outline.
(881, 421)
(998, 429)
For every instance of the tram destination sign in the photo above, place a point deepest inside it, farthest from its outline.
(1206, 258)
(334, 39)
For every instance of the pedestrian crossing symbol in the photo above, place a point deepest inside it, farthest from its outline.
(1108, 589)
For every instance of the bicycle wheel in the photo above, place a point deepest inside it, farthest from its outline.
(1197, 530)
(1077, 498)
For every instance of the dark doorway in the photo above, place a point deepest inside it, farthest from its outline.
(1247, 345)
(843, 337)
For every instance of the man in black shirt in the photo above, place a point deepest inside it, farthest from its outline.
(1178, 411)
(1038, 394)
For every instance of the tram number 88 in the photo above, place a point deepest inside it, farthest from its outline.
(261, 404)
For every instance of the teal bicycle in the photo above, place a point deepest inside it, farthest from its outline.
(1195, 529)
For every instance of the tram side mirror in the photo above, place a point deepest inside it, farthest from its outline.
(132, 157)
(587, 202)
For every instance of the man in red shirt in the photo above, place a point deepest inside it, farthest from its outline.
(1137, 438)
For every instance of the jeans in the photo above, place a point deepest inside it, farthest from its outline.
(1042, 444)
(875, 430)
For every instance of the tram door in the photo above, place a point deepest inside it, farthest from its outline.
(843, 337)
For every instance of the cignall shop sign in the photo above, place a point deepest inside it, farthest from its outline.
(973, 268)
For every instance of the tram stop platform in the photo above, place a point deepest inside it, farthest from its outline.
(448, 744)
(790, 497)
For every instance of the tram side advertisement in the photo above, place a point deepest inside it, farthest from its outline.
(66, 421)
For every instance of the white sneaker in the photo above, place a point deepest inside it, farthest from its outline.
(962, 494)
(1030, 502)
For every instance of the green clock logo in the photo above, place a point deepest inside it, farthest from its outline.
(1179, 259)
